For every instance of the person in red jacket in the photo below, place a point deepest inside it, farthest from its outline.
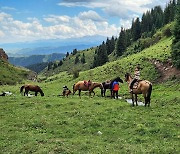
(115, 89)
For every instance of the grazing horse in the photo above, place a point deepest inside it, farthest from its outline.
(29, 87)
(66, 93)
(144, 87)
(82, 87)
(108, 85)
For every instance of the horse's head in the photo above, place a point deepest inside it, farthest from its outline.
(118, 79)
(127, 75)
(101, 86)
(42, 94)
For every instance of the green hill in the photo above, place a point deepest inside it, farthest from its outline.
(53, 124)
(11, 74)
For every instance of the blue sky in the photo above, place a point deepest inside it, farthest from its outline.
(30, 20)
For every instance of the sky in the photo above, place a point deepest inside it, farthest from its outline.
(31, 20)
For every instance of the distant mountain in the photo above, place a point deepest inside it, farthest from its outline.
(50, 50)
(35, 59)
(53, 45)
(37, 67)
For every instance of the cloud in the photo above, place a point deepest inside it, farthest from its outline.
(119, 8)
(91, 15)
(8, 8)
(57, 19)
(85, 23)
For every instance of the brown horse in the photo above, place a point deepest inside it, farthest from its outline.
(29, 87)
(81, 86)
(144, 87)
(66, 93)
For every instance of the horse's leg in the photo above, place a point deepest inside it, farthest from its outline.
(26, 92)
(89, 93)
(101, 92)
(132, 99)
(111, 93)
(79, 93)
(93, 93)
(136, 99)
(104, 92)
(36, 93)
(145, 99)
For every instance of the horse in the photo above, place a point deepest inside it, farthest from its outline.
(81, 86)
(144, 87)
(108, 85)
(66, 93)
(34, 88)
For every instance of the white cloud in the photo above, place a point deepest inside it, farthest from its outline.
(85, 23)
(8, 8)
(57, 19)
(120, 8)
(92, 15)
(1, 34)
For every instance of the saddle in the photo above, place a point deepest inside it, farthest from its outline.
(136, 84)
(87, 83)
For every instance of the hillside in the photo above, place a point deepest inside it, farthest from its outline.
(10, 74)
(68, 63)
(34, 59)
(53, 124)
(156, 47)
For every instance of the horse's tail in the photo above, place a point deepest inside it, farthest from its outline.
(73, 89)
(21, 89)
(149, 93)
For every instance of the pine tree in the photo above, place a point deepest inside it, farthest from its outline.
(176, 42)
(74, 51)
(101, 56)
(110, 45)
(67, 54)
(60, 63)
(76, 60)
(121, 43)
(136, 29)
(83, 59)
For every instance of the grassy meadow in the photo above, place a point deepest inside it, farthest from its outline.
(53, 124)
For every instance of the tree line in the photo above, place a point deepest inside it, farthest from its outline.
(141, 28)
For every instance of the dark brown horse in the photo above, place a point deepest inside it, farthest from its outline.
(29, 87)
(80, 86)
(108, 85)
(144, 87)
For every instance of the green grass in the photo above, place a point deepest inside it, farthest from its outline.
(69, 65)
(54, 124)
(11, 74)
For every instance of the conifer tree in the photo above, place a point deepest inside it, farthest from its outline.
(176, 42)
(136, 29)
(76, 60)
(101, 56)
(110, 45)
(121, 43)
(83, 59)
(67, 54)
(74, 51)
(60, 63)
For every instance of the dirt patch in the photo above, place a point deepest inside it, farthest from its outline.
(166, 70)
